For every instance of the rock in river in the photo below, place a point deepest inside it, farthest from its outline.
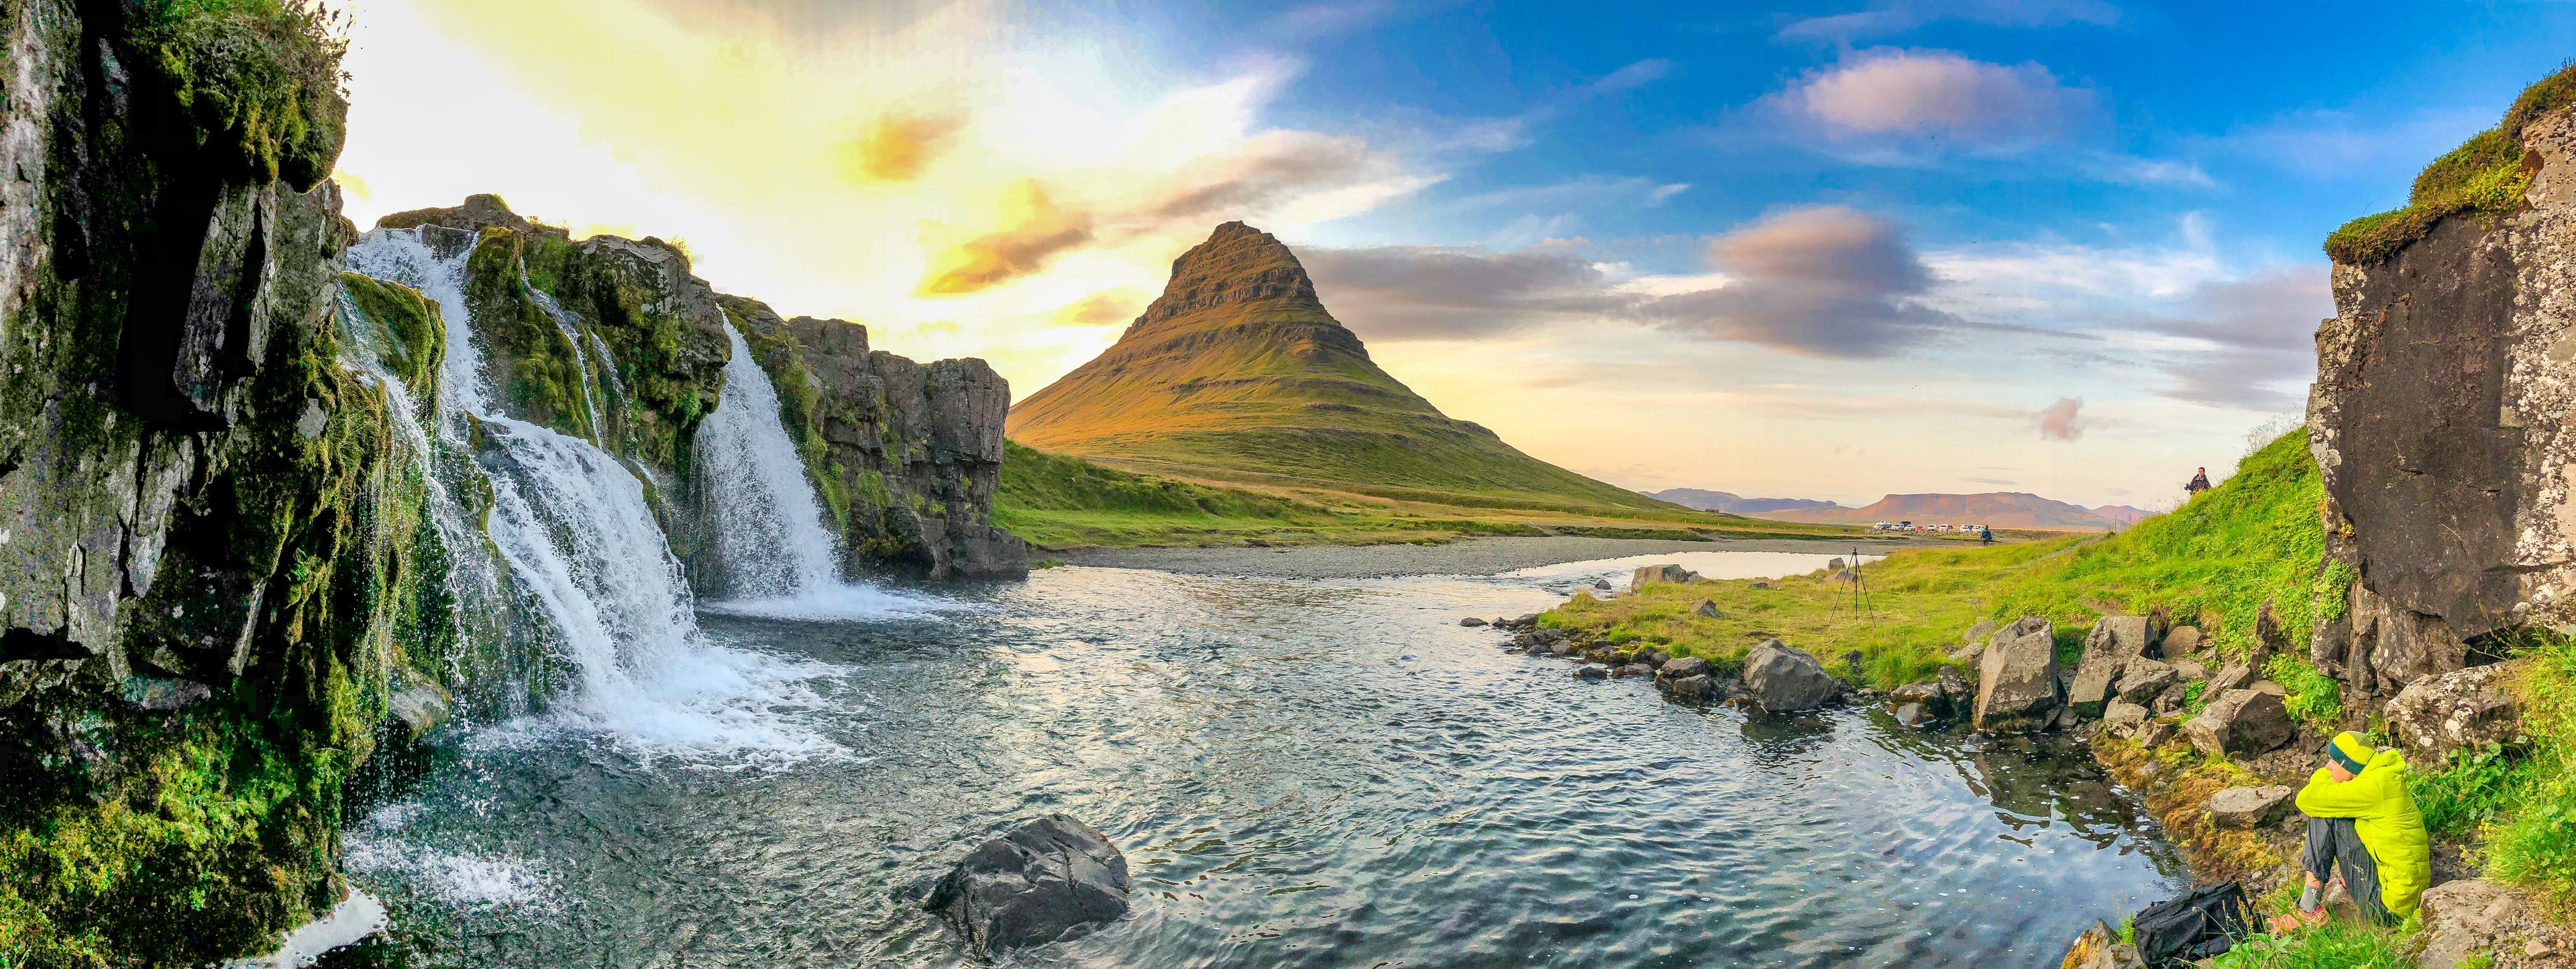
(1666, 573)
(1471, 622)
(1682, 667)
(1051, 879)
(1592, 671)
(2017, 679)
(1784, 680)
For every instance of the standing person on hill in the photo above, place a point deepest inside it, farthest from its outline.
(2199, 483)
(2363, 828)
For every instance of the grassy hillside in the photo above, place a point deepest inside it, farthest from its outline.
(1239, 374)
(1058, 501)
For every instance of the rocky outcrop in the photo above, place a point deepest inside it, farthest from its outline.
(1049, 880)
(616, 341)
(1784, 679)
(2438, 420)
(907, 457)
(2464, 708)
(205, 546)
(2017, 678)
(1666, 574)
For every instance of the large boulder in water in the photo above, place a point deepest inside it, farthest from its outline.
(1785, 680)
(1665, 574)
(2017, 679)
(1051, 879)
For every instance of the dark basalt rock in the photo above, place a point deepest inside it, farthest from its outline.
(1049, 880)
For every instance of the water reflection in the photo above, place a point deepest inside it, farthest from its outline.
(1302, 774)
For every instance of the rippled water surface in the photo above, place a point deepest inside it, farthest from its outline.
(1302, 773)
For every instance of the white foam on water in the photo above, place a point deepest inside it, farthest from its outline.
(583, 548)
(378, 846)
(356, 917)
(780, 562)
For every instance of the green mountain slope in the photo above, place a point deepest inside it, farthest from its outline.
(1238, 373)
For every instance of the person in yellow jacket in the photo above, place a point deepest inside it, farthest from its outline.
(2363, 826)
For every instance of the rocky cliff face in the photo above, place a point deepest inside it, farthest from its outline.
(905, 456)
(204, 553)
(614, 340)
(2440, 423)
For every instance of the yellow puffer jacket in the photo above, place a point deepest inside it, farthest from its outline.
(2385, 817)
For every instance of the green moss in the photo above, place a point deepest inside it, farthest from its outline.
(2486, 175)
(257, 82)
(537, 367)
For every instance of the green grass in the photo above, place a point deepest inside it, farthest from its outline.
(2486, 175)
(2211, 562)
(2532, 839)
(1059, 501)
(2330, 946)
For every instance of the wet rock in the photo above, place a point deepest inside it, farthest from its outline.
(1633, 669)
(1652, 656)
(2250, 807)
(1601, 584)
(1706, 609)
(1958, 696)
(1592, 671)
(2100, 948)
(1682, 667)
(2114, 642)
(1697, 687)
(2017, 679)
(1912, 714)
(162, 696)
(2463, 708)
(2180, 641)
(418, 704)
(1471, 622)
(2243, 723)
(1784, 679)
(1563, 647)
(2145, 679)
(1666, 574)
(1051, 879)
(1926, 692)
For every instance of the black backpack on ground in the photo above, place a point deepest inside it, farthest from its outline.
(2197, 924)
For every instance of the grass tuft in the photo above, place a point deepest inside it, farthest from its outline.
(2486, 175)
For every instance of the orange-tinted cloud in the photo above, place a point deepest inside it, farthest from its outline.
(897, 147)
(1104, 309)
(1039, 231)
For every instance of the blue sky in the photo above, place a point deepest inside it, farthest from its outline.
(1829, 250)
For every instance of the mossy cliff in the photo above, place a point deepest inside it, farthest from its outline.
(206, 537)
(906, 457)
(614, 340)
(2439, 419)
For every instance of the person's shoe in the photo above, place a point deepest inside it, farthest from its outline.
(2296, 920)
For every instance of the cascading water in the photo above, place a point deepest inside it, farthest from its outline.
(586, 555)
(776, 554)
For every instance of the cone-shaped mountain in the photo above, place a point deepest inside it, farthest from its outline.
(1237, 372)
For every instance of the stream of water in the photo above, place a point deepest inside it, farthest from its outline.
(1302, 773)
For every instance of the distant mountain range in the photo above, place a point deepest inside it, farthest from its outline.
(1998, 509)
(1237, 373)
(1732, 503)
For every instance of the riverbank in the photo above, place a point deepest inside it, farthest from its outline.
(1467, 556)
(2214, 723)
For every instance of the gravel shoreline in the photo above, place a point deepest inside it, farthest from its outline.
(1474, 556)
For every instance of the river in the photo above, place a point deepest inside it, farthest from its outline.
(1302, 772)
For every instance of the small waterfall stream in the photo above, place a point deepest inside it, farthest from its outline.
(589, 562)
(778, 557)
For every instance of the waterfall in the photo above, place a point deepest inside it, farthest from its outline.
(590, 563)
(778, 558)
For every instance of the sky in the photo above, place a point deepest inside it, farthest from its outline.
(1831, 250)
